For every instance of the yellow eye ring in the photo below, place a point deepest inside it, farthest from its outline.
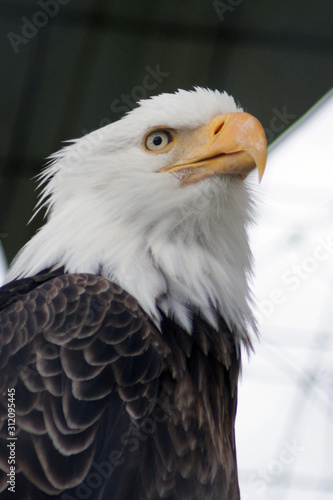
(157, 140)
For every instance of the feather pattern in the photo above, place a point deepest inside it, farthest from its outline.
(150, 409)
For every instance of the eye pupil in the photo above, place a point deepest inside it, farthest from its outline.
(157, 140)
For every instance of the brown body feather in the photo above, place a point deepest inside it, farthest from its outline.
(107, 406)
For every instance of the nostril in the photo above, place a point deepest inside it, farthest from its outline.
(219, 127)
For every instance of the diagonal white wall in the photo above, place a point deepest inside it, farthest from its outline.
(284, 425)
(3, 265)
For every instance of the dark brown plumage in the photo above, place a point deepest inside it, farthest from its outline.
(109, 407)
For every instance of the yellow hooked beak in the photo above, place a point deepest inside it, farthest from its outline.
(232, 143)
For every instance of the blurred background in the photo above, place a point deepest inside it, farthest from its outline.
(70, 67)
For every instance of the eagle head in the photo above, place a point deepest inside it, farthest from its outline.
(157, 203)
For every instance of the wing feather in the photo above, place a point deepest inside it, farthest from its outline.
(101, 393)
(71, 346)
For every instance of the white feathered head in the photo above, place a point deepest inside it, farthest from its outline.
(157, 202)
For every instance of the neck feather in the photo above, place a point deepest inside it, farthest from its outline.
(195, 258)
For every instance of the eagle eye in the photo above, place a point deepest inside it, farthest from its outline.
(158, 140)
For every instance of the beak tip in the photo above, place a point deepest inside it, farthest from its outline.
(261, 165)
(261, 175)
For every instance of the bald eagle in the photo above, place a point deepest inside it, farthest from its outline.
(122, 320)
